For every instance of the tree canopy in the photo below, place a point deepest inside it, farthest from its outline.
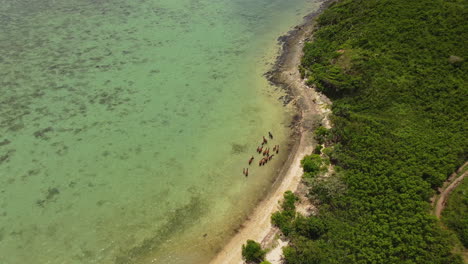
(396, 72)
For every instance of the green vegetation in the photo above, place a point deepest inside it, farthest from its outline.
(318, 149)
(311, 165)
(326, 191)
(322, 134)
(283, 218)
(396, 71)
(253, 252)
(289, 222)
(455, 215)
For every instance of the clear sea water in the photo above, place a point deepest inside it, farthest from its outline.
(125, 125)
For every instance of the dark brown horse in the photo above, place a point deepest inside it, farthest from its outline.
(265, 140)
(270, 135)
(250, 160)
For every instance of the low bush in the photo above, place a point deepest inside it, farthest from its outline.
(253, 252)
(311, 165)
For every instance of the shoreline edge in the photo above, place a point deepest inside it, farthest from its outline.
(311, 108)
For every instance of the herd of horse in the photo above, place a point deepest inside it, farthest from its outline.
(265, 152)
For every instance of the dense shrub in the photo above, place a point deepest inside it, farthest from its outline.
(318, 149)
(289, 201)
(321, 134)
(283, 219)
(311, 165)
(310, 227)
(253, 252)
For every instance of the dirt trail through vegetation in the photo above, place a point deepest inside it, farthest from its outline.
(452, 182)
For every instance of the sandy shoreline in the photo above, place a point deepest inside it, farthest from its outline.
(311, 110)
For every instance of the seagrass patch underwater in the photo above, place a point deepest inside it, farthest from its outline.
(125, 125)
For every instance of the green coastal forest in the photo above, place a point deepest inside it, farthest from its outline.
(396, 72)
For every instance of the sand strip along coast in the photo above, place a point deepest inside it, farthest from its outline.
(312, 109)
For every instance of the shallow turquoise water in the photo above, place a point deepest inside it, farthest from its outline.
(125, 125)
